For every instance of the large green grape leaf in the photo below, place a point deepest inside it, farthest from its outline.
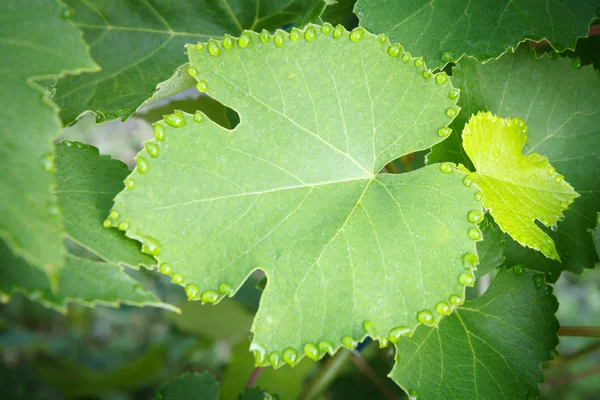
(81, 281)
(596, 234)
(518, 189)
(443, 31)
(36, 43)
(490, 348)
(293, 190)
(491, 249)
(86, 183)
(139, 43)
(559, 105)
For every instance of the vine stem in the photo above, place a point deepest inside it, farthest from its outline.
(253, 377)
(326, 375)
(587, 331)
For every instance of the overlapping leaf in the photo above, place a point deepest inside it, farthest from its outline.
(490, 348)
(491, 249)
(559, 105)
(36, 43)
(293, 190)
(140, 43)
(443, 31)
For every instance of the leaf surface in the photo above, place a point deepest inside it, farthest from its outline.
(559, 105)
(444, 31)
(191, 386)
(86, 183)
(491, 249)
(490, 348)
(37, 44)
(293, 190)
(140, 43)
(518, 189)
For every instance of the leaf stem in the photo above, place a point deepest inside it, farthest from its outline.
(587, 331)
(253, 377)
(326, 375)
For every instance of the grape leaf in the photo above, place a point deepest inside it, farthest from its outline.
(518, 189)
(85, 185)
(559, 105)
(596, 234)
(293, 190)
(444, 31)
(79, 281)
(490, 348)
(491, 249)
(139, 43)
(36, 44)
(190, 386)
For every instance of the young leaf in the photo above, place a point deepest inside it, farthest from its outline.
(490, 348)
(86, 183)
(79, 281)
(36, 43)
(141, 45)
(491, 249)
(293, 190)
(518, 189)
(562, 129)
(444, 31)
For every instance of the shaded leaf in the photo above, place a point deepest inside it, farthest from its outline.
(190, 386)
(490, 348)
(491, 249)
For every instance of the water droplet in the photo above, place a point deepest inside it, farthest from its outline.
(114, 214)
(150, 246)
(548, 290)
(259, 353)
(198, 117)
(129, 183)
(202, 86)
(357, 34)
(278, 39)
(538, 281)
(406, 57)
(290, 356)
(383, 341)
(475, 234)
(398, 332)
(213, 48)
(554, 228)
(326, 347)
(564, 205)
(67, 143)
(448, 57)
(550, 171)
(48, 162)
(349, 342)
(478, 196)
(577, 63)
(394, 50)
(193, 71)
(226, 289)
(338, 31)
(142, 164)
(443, 308)
(441, 78)
(426, 74)
(470, 260)
(274, 358)
(325, 29)
(519, 269)
(175, 120)
(264, 36)
(426, 317)
(419, 62)
(559, 178)
(123, 226)
(177, 279)
(159, 131)
(227, 42)
(413, 395)
(295, 34)
(453, 94)
(310, 34)
(444, 132)
(468, 181)
(165, 268)
(466, 279)
(552, 354)
(244, 40)
(152, 149)
(475, 216)
(66, 13)
(210, 296)
(451, 112)
(199, 46)
(447, 167)
(192, 291)
(312, 351)
(369, 327)
(456, 300)
(107, 223)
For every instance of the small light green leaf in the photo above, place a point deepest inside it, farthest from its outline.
(490, 348)
(491, 249)
(81, 281)
(190, 386)
(86, 183)
(518, 189)
(444, 31)
(294, 190)
(141, 45)
(36, 44)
